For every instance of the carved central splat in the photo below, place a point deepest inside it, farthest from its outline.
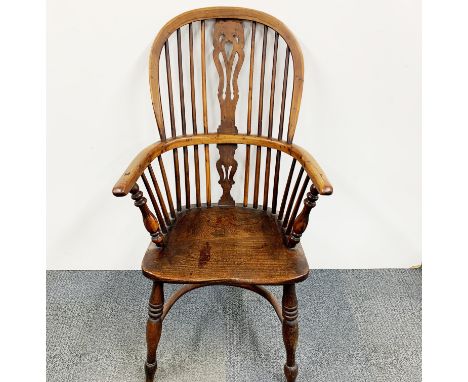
(228, 56)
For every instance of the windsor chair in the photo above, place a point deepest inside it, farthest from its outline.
(205, 243)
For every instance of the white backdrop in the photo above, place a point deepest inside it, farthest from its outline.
(360, 118)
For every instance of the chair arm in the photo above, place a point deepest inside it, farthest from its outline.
(147, 155)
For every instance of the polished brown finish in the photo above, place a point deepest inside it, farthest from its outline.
(290, 330)
(301, 222)
(249, 113)
(147, 155)
(153, 329)
(200, 249)
(149, 220)
(228, 33)
(194, 119)
(232, 244)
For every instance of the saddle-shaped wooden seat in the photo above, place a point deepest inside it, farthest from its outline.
(226, 245)
(195, 240)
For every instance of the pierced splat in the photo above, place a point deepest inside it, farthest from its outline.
(228, 56)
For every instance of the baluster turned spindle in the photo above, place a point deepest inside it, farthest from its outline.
(260, 116)
(301, 222)
(194, 119)
(280, 133)
(149, 220)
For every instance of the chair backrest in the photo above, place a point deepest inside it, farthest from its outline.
(233, 29)
(223, 61)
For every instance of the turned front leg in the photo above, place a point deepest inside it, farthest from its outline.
(290, 331)
(153, 329)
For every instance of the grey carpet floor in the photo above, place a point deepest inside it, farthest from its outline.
(355, 325)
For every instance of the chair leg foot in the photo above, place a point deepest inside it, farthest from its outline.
(290, 331)
(153, 329)
(150, 370)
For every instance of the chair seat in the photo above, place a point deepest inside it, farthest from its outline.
(231, 245)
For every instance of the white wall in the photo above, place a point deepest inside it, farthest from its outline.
(360, 118)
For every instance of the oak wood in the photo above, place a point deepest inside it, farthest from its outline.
(200, 249)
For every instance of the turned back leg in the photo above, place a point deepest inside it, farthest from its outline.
(153, 329)
(290, 330)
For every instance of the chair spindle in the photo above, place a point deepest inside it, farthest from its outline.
(194, 119)
(249, 114)
(183, 119)
(260, 116)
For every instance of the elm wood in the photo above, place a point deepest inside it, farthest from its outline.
(297, 205)
(266, 188)
(153, 329)
(166, 185)
(290, 330)
(260, 117)
(293, 197)
(194, 119)
(182, 116)
(229, 13)
(254, 288)
(222, 245)
(227, 33)
(249, 114)
(205, 114)
(280, 133)
(159, 194)
(248, 247)
(155, 204)
(301, 222)
(147, 155)
(149, 219)
(286, 189)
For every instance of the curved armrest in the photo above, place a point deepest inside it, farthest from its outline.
(147, 155)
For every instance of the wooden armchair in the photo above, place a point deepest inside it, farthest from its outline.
(203, 243)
